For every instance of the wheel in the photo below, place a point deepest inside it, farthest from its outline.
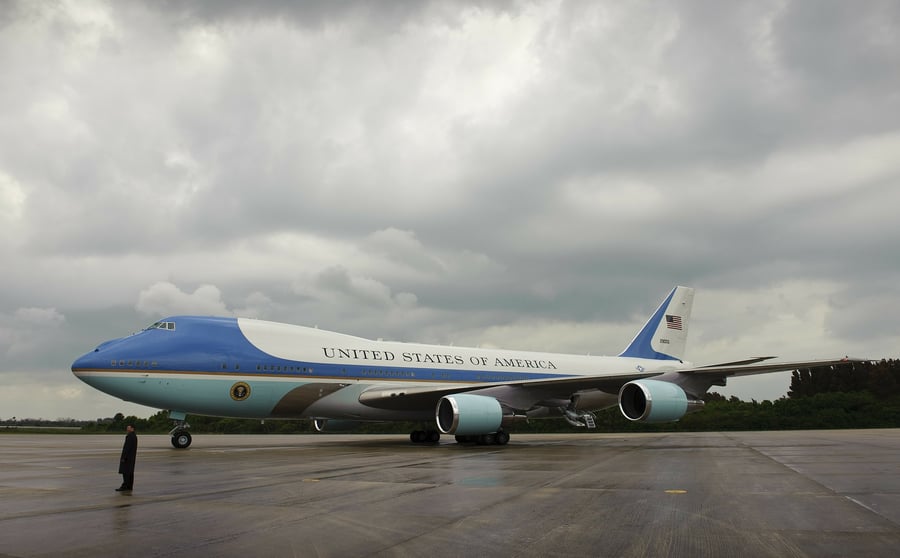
(418, 436)
(433, 436)
(181, 440)
(501, 438)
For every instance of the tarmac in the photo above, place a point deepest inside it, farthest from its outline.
(798, 493)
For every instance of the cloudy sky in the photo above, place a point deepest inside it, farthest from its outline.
(532, 175)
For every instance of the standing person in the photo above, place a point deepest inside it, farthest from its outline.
(126, 464)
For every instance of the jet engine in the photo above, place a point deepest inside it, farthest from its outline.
(655, 401)
(465, 414)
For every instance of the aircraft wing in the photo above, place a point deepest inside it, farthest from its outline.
(399, 397)
(739, 369)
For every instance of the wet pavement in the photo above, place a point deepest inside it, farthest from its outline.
(804, 493)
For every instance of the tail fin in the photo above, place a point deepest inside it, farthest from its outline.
(664, 336)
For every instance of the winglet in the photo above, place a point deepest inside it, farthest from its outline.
(664, 336)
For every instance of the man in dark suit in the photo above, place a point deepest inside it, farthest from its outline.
(126, 463)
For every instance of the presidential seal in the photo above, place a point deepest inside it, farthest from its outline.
(240, 391)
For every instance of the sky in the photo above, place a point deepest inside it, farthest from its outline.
(524, 175)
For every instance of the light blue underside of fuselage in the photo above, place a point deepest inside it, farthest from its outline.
(204, 396)
(212, 396)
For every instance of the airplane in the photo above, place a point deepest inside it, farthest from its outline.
(249, 368)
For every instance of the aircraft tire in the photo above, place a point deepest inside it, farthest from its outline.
(181, 440)
(418, 437)
(501, 438)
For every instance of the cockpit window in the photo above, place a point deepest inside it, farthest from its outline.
(163, 325)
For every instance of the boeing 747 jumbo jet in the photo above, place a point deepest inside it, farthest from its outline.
(246, 368)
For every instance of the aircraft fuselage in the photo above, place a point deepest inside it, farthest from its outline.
(257, 369)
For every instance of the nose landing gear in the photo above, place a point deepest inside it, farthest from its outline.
(181, 438)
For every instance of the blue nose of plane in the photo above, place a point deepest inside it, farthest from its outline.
(83, 366)
(85, 361)
(98, 359)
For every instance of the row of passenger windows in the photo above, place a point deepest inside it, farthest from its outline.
(260, 367)
(376, 373)
(499, 377)
(274, 368)
(387, 373)
(366, 372)
(134, 363)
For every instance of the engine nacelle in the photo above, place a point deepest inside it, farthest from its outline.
(465, 414)
(655, 401)
(331, 425)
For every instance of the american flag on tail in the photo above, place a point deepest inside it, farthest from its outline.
(673, 322)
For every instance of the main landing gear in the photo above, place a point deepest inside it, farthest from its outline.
(424, 436)
(181, 438)
(499, 438)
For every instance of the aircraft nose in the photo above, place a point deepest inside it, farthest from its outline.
(89, 361)
(82, 362)
(96, 359)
